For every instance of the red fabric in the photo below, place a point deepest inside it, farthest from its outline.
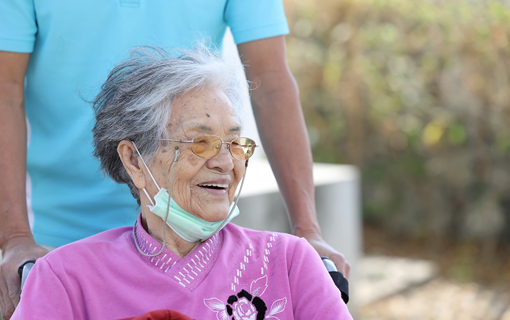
(161, 315)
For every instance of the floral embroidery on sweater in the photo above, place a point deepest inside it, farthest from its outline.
(246, 305)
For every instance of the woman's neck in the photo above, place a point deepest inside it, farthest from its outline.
(154, 227)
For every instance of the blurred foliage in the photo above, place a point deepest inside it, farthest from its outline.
(417, 94)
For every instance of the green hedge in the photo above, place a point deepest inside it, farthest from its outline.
(417, 94)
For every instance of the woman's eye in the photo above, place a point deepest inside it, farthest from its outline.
(201, 140)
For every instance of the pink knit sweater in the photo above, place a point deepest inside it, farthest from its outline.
(238, 274)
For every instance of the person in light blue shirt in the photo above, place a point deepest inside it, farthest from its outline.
(53, 57)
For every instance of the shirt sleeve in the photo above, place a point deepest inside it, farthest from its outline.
(18, 25)
(314, 295)
(251, 20)
(44, 296)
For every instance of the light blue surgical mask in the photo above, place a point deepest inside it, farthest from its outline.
(185, 225)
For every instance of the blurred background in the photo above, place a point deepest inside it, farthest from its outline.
(407, 105)
(416, 94)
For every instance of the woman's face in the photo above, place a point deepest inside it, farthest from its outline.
(202, 187)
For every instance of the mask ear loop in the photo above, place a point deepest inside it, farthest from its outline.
(177, 153)
(225, 221)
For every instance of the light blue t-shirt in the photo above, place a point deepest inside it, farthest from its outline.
(73, 45)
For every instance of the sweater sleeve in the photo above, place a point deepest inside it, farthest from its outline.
(314, 295)
(44, 296)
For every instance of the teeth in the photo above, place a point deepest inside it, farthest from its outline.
(224, 186)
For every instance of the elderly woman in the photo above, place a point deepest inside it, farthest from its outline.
(169, 128)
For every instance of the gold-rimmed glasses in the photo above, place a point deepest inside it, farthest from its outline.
(207, 146)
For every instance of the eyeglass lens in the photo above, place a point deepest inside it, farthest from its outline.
(209, 146)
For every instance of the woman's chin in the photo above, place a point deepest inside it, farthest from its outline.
(211, 209)
(215, 214)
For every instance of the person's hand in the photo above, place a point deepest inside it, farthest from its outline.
(325, 250)
(17, 251)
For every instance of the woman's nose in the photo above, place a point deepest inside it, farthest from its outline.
(222, 160)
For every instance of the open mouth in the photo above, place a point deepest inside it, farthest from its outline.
(214, 186)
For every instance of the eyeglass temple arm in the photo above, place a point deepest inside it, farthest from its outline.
(175, 140)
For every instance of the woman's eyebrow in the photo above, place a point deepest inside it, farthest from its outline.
(198, 126)
(235, 129)
(206, 128)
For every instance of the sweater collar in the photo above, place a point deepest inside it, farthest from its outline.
(190, 270)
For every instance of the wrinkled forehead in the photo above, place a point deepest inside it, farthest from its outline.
(206, 110)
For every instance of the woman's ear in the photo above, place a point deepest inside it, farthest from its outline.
(129, 158)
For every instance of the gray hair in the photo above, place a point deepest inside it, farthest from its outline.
(135, 101)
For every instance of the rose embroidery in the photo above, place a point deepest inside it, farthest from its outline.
(246, 305)
(243, 307)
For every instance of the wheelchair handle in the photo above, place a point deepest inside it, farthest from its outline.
(23, 271)
(338, 278)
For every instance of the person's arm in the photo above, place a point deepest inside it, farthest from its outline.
(313, 292)
(281, 125)
(16, 241)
